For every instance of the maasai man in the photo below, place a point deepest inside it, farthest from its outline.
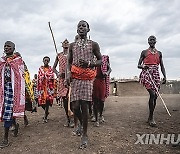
(81, 68)
(149, 62)
(12, 89)
(62, 90)
(101, 89)
(45, 87)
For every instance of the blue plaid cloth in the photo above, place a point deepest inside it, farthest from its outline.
(8, 102)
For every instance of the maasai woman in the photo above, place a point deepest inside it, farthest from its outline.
(12, 89)
(45, 87)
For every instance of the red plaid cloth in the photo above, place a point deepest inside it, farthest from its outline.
(62, 90)
(105, 61)
(150, 78)
(45, 85)
(82, 89)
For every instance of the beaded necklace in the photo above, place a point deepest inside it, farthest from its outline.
(153, 51)
(82, 43)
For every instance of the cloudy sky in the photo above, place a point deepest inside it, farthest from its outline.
(121, 27)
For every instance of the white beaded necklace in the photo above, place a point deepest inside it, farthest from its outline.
(82, 43)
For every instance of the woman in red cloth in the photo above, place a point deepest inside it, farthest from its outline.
(149, 62)
(12, 90)
(45, 87)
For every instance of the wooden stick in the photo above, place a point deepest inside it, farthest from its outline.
(53, 37)
(159, 94)
(70, 113)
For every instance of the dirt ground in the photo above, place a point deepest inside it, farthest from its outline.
(125, 117)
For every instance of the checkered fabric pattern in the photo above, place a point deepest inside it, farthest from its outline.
(151, 78)
(8, 102)
(62, 90)
(81, 90)
(104, 69)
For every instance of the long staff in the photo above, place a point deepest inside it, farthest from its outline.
(53, 37)
(70, 113)
(159, 93)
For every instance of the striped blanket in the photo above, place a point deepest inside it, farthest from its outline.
(16, 66)
(104, 69)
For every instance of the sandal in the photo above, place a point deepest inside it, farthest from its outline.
(16, 130)
(152, 123)
(45, 120)
(4, 144)
(84, 142)
(77, 131)
(96, 124)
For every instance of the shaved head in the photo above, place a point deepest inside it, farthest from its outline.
(10, 43)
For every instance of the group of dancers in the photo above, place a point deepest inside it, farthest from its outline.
(82, 79)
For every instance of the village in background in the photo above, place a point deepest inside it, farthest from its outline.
(132, 87)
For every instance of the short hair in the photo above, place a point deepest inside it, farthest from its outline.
(152, 36)
(46, 57)
(10, 43)
(85, 22)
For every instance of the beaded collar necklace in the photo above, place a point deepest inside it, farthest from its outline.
(82, 43)
(153, 51)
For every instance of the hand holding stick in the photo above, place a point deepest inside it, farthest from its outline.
(70, 113)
